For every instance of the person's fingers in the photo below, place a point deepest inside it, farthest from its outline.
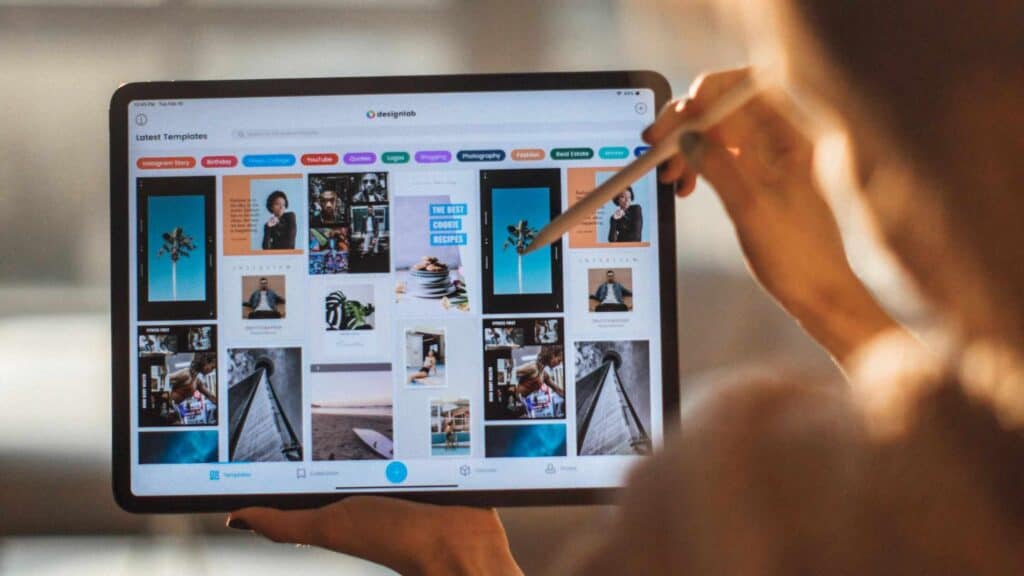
(673, 169)
(292, 526)
(709, 87)
(670, 116)
(388, 531)
(361, 526)
(687, 184)
(704, 90)
(721, 168)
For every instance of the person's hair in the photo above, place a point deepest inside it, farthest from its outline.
(264, 279)
(548, 353)
(201, 359)
(929, 91)
(632, 195)
(274, 196)
(941, 86)
(609, 272)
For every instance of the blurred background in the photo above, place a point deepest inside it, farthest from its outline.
(59, 63)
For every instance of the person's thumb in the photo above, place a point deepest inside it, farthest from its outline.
(294, 526)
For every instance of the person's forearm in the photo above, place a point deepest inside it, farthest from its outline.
(844, 319)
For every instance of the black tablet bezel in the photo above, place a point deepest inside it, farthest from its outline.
(119, 270)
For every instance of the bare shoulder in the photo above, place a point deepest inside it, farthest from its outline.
(782, 475)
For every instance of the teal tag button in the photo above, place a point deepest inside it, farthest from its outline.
(394, 157)
(614, 152)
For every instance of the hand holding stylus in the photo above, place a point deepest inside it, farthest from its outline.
(761, 167)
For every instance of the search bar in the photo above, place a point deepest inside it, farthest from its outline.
(363, 132)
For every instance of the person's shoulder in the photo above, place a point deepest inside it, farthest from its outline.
(288, 217)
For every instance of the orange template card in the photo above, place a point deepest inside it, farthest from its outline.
(246, 213)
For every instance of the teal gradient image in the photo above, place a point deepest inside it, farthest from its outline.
(531, 441)
(176, 246)
(517, 214)
(198, 447)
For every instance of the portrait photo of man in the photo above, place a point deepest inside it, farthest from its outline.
(612, 294)
(263, 297)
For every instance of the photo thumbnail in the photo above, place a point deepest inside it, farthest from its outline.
(610, 289)
(263, 214)
(619, 223)
(429, 267)
(528, 441)
(524, 368)
(263, 297)
(349, 223)
(515, 206)
(352, 410)
(177, 376)
(613, 398)
(349, 307)
(192, 447)
(265, 404)
(425, 357)
(177, 242)
(450, 427)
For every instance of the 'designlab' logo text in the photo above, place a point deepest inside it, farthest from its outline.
(393, 114)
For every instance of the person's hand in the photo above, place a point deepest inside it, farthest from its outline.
(408, 537)
(761, 167)
(272, 221)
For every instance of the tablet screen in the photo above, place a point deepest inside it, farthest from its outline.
(330, 294)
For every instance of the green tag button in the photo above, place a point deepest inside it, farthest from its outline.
(572, 153)
(395, 157)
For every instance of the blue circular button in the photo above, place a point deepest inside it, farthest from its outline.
(396, 472)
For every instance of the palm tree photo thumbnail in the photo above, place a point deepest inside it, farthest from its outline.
(177, 245)
(520, 237)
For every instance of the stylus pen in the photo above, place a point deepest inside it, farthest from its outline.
(731, 101)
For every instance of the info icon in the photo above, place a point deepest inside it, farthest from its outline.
(141, 119)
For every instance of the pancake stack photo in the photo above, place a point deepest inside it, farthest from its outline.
(429, 279)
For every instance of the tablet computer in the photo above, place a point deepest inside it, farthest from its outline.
(318, 289)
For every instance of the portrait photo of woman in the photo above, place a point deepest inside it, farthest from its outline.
(627, 222)
(279, 229)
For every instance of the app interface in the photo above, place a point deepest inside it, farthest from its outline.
(332, 293)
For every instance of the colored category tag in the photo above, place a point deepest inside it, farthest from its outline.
(166, 163)
(268, 160)
(323, 159)
(572, 153)
(639, 150)
(395, 157)
(613, 152)
(433, 156)
(481, 155)
(219, 161)
(360, 158)
(527, 154)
